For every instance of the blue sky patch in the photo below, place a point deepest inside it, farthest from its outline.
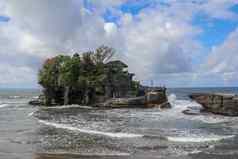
(134, 7)
(110, 17)
(4, 19)
(215, 31)
(235, 8)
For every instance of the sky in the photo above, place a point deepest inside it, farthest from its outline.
(175, 43)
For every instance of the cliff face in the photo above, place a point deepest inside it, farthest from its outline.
(152, 98)
(157, 98)
(218, 103)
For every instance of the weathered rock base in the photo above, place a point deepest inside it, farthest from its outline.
(38, 101)
(155, 98)
(218, 103)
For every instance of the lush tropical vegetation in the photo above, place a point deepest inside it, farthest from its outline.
(86, 78)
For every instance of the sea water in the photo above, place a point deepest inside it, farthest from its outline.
(28, 132)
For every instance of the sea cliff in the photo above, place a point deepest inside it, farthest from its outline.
(218, 103)
(93, 78)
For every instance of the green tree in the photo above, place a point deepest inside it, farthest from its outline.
(78, 79)
(103, 54)
(49, 78)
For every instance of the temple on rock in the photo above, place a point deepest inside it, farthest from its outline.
(93, 78)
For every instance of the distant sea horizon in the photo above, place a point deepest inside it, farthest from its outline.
(34, 88)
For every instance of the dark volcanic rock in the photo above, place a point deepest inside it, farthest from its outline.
(218, 103)
(124, 102)
(155, 98)
(190, 112)
(152, 98)
(37, 101)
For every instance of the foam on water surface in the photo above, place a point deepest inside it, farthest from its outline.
(68, 107)
(106, 154)
(199, 139)
(31, 114)
(93, 132)
(4, 105)
(178, 106)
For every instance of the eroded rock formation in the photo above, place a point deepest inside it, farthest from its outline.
(218, 103)
(152, 98)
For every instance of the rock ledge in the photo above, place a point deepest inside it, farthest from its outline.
(218, 103)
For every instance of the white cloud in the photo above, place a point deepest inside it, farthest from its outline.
(110, 28)
(224, 58)
(219, 8)
(158, 43)
(17, 76)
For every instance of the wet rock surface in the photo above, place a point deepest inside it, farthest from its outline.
(218, 103)
(155, 98)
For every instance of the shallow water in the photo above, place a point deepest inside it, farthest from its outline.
(28, 132)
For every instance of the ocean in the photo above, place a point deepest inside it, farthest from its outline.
(70, 132)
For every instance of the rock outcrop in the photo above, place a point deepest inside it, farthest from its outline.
(218, 103)
(157, 98)
(123, 102)
(154, 98)
(40, 100)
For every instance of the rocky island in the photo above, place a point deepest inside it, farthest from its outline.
(93, 78)
(218, 103)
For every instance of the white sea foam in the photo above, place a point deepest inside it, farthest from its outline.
(195, 152)
(67, 107)
(15, 97)
(172, 98)
(103, 154)
(199, 139)
(213, 119)
(30, 114)
(176, 112)
(4, 105)
(109, 134)
(180, 105)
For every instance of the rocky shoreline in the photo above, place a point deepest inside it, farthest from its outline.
(152, 98)
(217, 103)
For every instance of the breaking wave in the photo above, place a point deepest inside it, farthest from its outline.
(93, 132)
(172, 98)
(179, 106)
(4, 105)
(68, 107)
(103, 154)
(15, 97)
(31, 114)
(199, 139)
